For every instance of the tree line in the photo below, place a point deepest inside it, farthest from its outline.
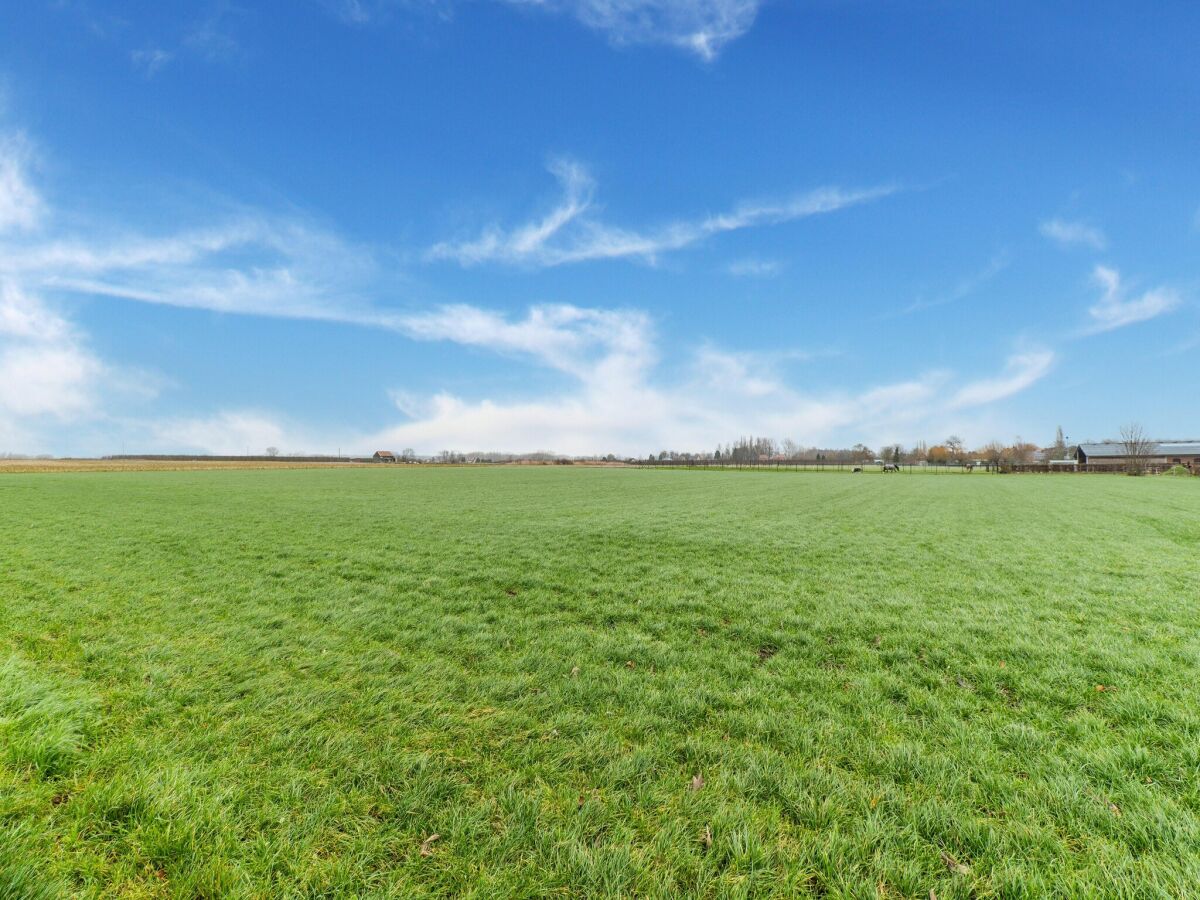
(951, 451)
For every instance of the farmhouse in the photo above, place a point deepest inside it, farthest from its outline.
(385, 456)
(1161, 453)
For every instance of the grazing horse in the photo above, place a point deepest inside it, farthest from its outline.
(891, 467)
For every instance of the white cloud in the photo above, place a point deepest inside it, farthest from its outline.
(152, 60)
(569, 233)
(252, 265)
(226, 433)
(20, 205)
(1115, 310)
(26, 319)
(1074, 234)
(352, 12)
(620, 401)
(964, 288)
(616, 393)
(37, 379)
(45, 366)
(754, 268)
(736, 373)
(46, 370)
(585, 343)
(1021, 371)
(702, 27)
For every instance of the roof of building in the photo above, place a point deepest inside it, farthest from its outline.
(384, 453)
(1111, 449)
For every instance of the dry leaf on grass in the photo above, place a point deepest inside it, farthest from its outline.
(706, 837)
(697, 783)
(427, 844)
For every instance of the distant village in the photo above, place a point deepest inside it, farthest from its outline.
(1132, 452)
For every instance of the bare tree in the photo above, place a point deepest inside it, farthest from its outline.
(1021, 452)
(862, 453)
(1060, 445)
(272, 451)
(957, 448)
(993, 453)
(891, 453)
(1138, 448)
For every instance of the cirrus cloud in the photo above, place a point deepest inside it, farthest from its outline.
(571, 232)
(1074, 234)
(1116, 309)
(702, 27)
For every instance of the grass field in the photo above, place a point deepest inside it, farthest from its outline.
(598, 683)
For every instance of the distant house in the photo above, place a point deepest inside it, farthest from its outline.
(384, 456)
(1161, 453)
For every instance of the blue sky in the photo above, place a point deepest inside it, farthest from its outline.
(595, 225)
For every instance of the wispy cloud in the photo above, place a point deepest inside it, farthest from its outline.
(1073, 234)
(702, 27)
(586, 343)
(739, 373)
(374, 12)
(151, 60)
(570, 233)
(753, 267)
(210, 38)
(226, 433)
(253, 264)
(1021, 371)
(353, 12)
(1116, 309)
(45, 366)
(963, 289)
(1184, 346)
(20, 204)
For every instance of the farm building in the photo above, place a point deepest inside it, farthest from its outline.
(385, 456)
(1162, 453)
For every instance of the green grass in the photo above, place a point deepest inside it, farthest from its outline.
(281, 683)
